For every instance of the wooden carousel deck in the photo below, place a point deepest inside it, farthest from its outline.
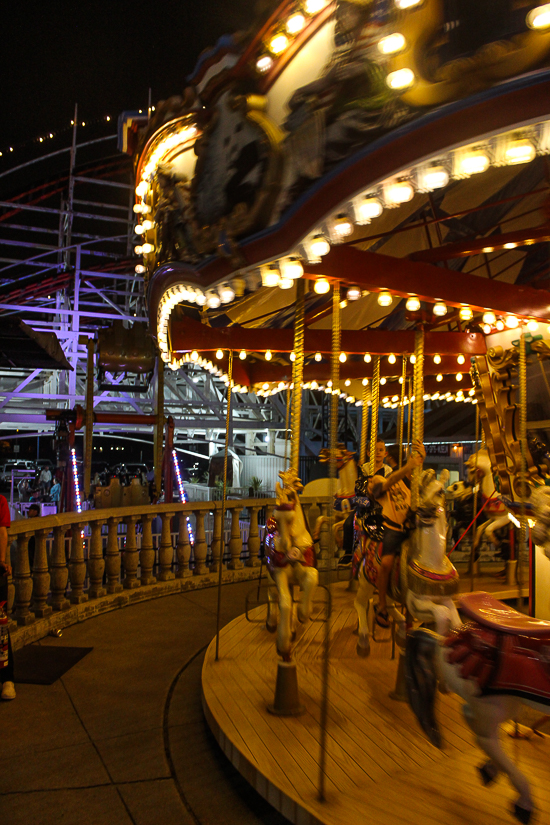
(379, 767)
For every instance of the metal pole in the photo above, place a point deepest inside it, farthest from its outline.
(401, 418)
(523, 467)
(89, 417)
(418, 424)
(364, 425)
(474, 523)
(224, 492)
(375, 403)
(298, 376)
(159, 427)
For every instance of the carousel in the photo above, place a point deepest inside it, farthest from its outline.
(365, 183)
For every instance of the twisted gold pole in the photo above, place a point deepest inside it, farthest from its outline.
(522, 371)
(298, 375)
(375, 403)
(418, 410)
(401, 419)
(364, 425)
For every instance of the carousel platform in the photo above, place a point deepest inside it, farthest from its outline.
(379, 766)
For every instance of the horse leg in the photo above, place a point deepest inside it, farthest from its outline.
(361, 605)
(485, 717)
(281, 577)
(271, 620)
(307, 578)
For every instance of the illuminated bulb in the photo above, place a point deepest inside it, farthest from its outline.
(265, 386)
(286, 283)
(242, 355)
(321, 286)
(365, 382)
(437, 358)
(368, 358)
(343, 357)
(391, 358)
(139, 229)
(194, 355)
(413, 304)
(392, 43)
(226, 293)
(510, 245)
(278, 43)
(264, 63)
(473, 163)
(401, 79)
(486, 329)
(219, 354)
(500, 324)
(200, 298)
(342, 226)
(314, 6)
(318, 356)
(270, 276)
(148, 247)
(383, 380)
(138, 250)
(439, 377)
(314, 385)
(532, 326)
(394, 398)
(440, 309)
(353, 293)
(140, 269)
(291, 268)
(347, 382)
(329, 383)
(141, 189)
(519, 151)
(465, 314)
(489, 318)
(539, 18)
(459, 376)
(292, 356)
(412, 359)
(399, 192)
(295, 23)
(212, 299)
(148, 225)
(488, 249)
(268, 355)
(460, 359)
(319, 246)
(385, 299)
(367, 209)
(511, 321)
(436, 177)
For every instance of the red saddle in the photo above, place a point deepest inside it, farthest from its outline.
(500, 649)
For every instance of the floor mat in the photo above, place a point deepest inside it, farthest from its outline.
(45, 664)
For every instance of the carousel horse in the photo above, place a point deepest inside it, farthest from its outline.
(290, 561)
(422, 576)
(344, 499)
(497, 660)
(495, 513)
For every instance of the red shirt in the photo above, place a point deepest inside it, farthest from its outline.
(5, 519)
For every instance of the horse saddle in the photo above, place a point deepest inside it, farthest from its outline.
(502, 650)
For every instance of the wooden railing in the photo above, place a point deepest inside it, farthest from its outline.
(79, 557)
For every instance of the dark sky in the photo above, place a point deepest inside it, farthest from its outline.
(102, 55)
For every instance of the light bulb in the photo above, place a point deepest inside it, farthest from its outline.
(511, 321)
(367, 209)
(437, 358)
(226, 293)
(321, 286)
(268, 355)
(436, 177)
(278, 43)
(343, 357)
(407, 4)
(439, 377)
(353, 293)
(486, 329)
(286, 283)
(264, 63)
(392, 43)
(295, 23)
(473, 163)
(342, 226)
(319, 246)
(291, 268)
(292, 356)
(140, 269)
(318, 356)
(365, 382)
(219, 354)
(489, 318)
(141, 189)
(368, 358)
(391, 358)
(148, 247)
(242, 355)
(138, 250)
(440, 309)
(539, 18)
(460, 359)
(194, 355)
(383, 380)
(519, 151)
(412, 359)
(148, 225)
(212, 299)
(413, 304)
(385, 299)
(138, 208)
(270, 275)
(532, 326)
(139, 229)
(401, 79)
(459, 376)
(265, 386)
(347, 382)
(399, 192)
(465, 313)
(500, 324)
(200, 298)
(314, 6)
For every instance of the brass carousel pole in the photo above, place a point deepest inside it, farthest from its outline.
(364, 425)
(474, 525)
(523, 466)
(224, 492)
(409, 414)
(333, 443)
(375, 402)
(401, 419)
(298, 373)
(418, 410)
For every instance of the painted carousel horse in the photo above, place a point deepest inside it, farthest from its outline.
(495, 513)
(422, 576)
(290, 561)
(344, 498)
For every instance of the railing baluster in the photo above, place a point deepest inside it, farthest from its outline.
(235, 542)
(147, 552)
(254, 542)
(23, 581)
(77, 566)
(130, 554)
(200, 548)
(218, 539)
(112, 556)
(40, 576)
(96, 562)
(11, 586)
(183, 549)
(166, 551)
(59, 572)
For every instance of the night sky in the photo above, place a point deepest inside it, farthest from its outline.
(102, 55)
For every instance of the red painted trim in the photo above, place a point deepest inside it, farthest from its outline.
(522, 237)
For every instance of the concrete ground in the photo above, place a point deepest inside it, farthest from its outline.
(121, 738)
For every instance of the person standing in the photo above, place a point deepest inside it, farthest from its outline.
(6, 672)
(55, 492)
(45, 480)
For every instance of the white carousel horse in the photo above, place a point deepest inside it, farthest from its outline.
(495, 513)
(422, 576)
(290, 561)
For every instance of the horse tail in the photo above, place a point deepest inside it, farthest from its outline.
(421, 680)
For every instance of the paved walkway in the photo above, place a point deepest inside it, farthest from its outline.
(121, 738)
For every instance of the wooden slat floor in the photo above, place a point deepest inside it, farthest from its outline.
(379, 765)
